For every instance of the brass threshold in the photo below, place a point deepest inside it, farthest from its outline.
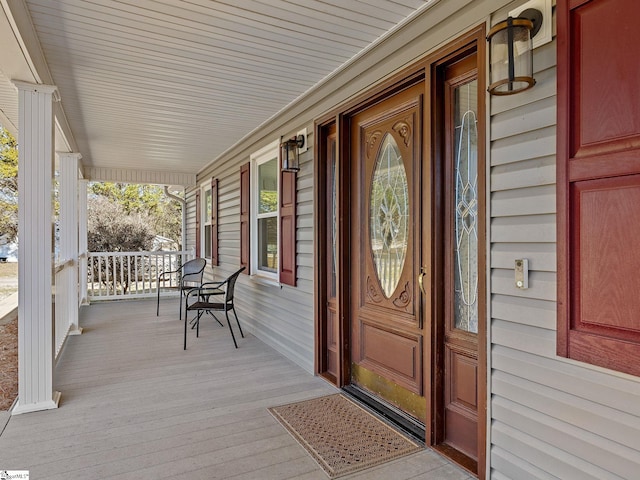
(387, 412)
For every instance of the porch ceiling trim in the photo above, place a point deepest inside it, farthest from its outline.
(98, 174)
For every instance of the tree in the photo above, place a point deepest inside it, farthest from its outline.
(111, 229)
(163, 213)
(8, 186)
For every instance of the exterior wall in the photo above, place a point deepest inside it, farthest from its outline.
(281, 316)
(550, 417)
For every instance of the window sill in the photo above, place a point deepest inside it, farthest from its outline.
(267, 281)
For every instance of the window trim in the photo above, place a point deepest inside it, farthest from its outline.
(261, 156)
(203, 221)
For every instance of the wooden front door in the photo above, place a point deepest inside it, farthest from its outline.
(401, 222)
(386, 325)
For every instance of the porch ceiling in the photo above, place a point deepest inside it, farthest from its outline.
(169, 85)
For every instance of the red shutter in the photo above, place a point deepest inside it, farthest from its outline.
(214, 221)
(245, 201)
(598, 179)
(198, 213)
(288, 228)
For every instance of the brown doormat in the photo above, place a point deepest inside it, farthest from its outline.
(342, 436)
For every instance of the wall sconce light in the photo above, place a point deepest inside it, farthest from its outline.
(512, 53)
(289, 153)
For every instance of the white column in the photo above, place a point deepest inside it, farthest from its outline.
(35, 252)
(82, 241)
(68, 197)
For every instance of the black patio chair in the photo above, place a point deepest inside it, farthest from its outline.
(212, 297)
(190, 276)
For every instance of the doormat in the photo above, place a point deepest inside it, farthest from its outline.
(341, 436)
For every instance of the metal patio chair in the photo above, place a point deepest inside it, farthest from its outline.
(190, 276)
(212, 297)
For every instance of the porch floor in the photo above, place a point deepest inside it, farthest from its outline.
(136, 406)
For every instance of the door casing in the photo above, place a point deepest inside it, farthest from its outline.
(424, 71)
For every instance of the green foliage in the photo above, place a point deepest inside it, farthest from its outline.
(111, 229)
(163, 214)
(8, 185)
(268, 201)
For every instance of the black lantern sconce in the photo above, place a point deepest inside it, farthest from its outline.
(289, 153)
(511, 47)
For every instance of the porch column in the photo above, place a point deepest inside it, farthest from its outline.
(35, 251)
(82, 241)
(68, 197)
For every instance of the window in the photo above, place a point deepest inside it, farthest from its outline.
(206, 222)
(265, 205)
(208, 218)
(268, 217)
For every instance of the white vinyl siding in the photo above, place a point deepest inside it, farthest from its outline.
(281, 316)
(550, 418)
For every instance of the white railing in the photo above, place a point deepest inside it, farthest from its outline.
(119, 275)
(65, 300)
(82, 278)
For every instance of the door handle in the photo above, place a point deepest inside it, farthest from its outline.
(423, 272)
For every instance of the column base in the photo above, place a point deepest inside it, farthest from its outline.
(36, 407)
(75, 330)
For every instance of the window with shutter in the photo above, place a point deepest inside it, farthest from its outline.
(206, 221)
(268, 217)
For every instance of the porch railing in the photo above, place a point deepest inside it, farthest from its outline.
(118, 275)
(65, 300)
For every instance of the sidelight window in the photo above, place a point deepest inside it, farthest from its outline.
(466, 208)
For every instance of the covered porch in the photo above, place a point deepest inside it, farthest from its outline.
(135, 405)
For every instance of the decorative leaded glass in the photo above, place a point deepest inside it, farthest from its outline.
(389, 214)
(466, 208)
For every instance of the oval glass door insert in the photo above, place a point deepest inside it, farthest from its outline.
(389, 213)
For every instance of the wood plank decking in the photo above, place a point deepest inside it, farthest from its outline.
(136, 406)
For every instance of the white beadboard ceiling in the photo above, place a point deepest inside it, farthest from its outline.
(169, 85)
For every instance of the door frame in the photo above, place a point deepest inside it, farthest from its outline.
(422, 71)
(339, 119)
(474, 41)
